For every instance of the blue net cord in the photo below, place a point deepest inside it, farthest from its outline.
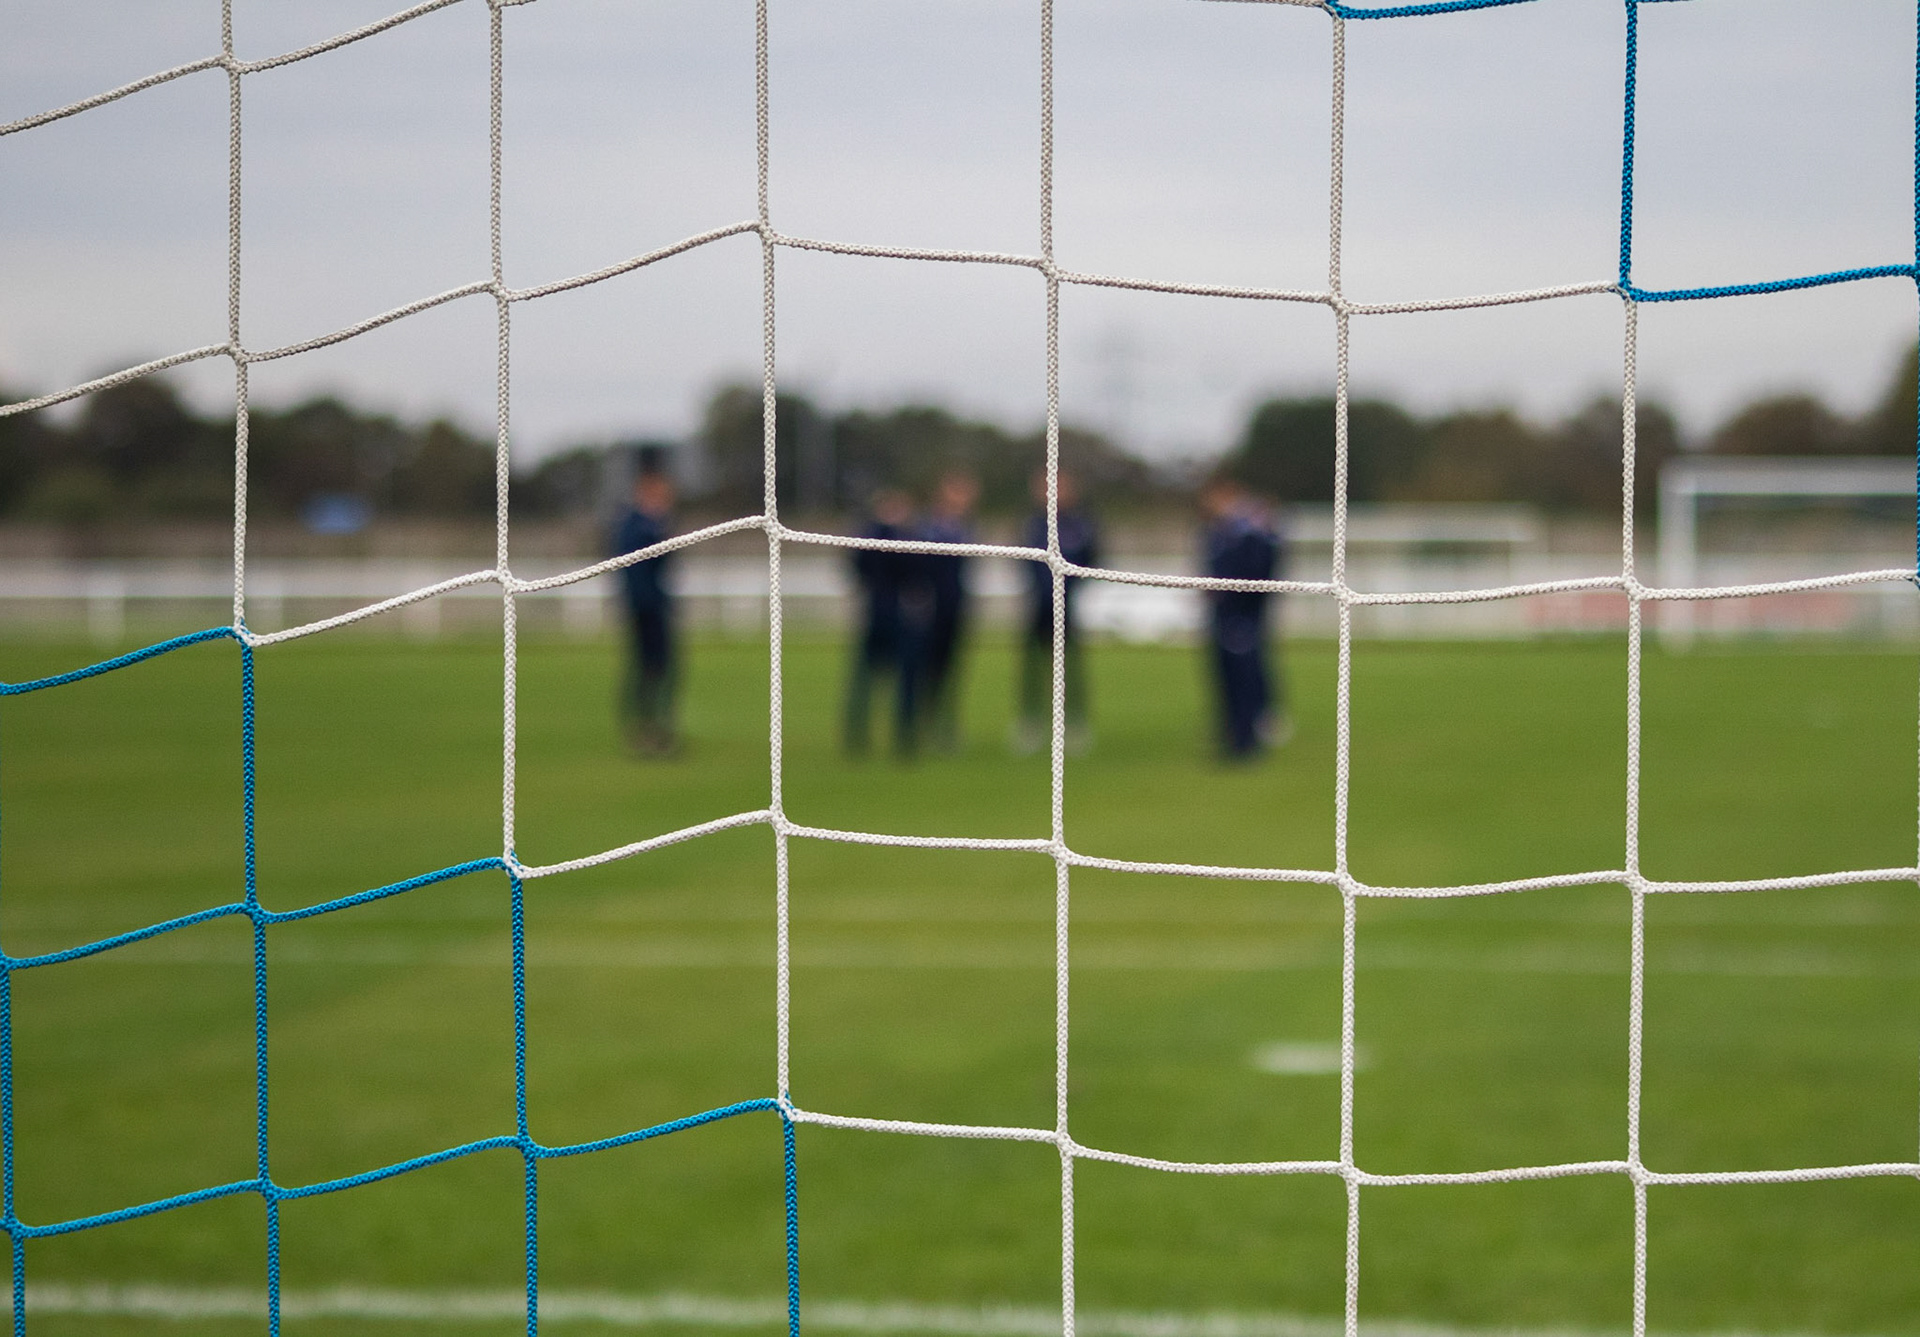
(793, 1225)
(1632, 293)
(6, 1152)
(262, 1171)
(521, 1140)
(531, 1181)
(117, 662)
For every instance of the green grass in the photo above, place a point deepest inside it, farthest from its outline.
(1782, 1029)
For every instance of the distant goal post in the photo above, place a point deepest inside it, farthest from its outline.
(1686, 483)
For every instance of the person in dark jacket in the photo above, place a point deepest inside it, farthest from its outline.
(950, 521)
(1079, 544)
(895, 603)
(1241, 543)
(646, 698)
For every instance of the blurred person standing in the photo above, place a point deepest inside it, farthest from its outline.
(895, 606)
(950, 521)
(1241, 542)
(1079, 544)
(646, 697)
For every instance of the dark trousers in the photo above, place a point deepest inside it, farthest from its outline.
(940, 673)
(647, 697)
(1036, 673)
(890, 646)
(1243, 682)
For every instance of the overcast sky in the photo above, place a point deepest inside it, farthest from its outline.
(1483, 153)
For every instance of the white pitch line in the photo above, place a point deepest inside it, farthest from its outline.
(608, 1309)
(1305, 1058)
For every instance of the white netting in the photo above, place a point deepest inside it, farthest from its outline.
(1055, 846)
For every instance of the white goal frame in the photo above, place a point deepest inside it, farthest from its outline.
(1685, 482)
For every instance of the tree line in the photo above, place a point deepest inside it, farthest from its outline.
(1572, 465)
(139, 451)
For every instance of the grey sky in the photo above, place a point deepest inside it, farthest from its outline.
(1776, 138)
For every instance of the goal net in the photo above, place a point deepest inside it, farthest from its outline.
(1052, 273)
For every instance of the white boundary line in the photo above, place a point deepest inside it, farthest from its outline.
(674, 1309)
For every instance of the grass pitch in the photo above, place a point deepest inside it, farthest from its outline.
(1782, 1029)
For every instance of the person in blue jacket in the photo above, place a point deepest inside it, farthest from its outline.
(1242, 543)
(950, 520)
(646, 697)
(1079, 544)
(895, 603)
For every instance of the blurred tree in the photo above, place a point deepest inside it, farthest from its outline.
(911, 447)
(1488, 455)
(1580, 470)
(138, 449)
(574, 482)
(310, 449)
(141, 428)
(730, 432)
(326, 447)
(1287, 449)
(134, 449)
(26, 445)
(1893, 426)
(1109, 476)
(442, 471)
(908, 447)
(67, 493)
(1469, 456)
(1785, 425)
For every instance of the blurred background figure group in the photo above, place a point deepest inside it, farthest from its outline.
(913, 618)
(1241, 542)
(949, 520)
(896, 608)
(653, 670)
